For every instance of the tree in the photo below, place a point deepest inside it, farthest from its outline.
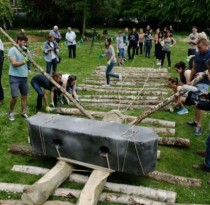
(6, 14)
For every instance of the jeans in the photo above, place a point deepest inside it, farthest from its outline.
(40, 93)
(168, 53)
(148, 46)
(109, 72)
(207, 157)
(121, 52)
(52, 64)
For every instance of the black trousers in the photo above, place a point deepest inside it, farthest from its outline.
(1, 67)
(72, 51)
(133, 46)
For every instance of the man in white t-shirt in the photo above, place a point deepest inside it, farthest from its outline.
(71, 42)
(192, 41)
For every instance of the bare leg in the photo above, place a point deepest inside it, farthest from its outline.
(198, 116)
(23, 103)
(13, 102)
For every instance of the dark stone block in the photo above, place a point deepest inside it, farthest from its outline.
(129, 149)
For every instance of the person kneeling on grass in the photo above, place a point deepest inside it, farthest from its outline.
(174, 84)
(68, 82)
(40, 81)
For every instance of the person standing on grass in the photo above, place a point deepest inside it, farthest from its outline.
(51, 50)
(168, 42)
(110, 54)
(56, 33)
(148, 43)
(141, 42)
(71, 42)
(200, 65)
(192, 41)
(158, 46)
(1, 68)
(18, 74)
(120, 48)
(133, 39)
(40, 81)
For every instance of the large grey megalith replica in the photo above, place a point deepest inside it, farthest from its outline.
(119, 147)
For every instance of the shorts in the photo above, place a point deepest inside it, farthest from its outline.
(18, 85)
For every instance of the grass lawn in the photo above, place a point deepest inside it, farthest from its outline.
(176, 161)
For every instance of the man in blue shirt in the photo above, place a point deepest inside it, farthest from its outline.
(198, 68)
(18, 74)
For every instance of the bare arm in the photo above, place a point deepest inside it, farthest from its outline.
(15, 63)
(74, 93)
(193, 71)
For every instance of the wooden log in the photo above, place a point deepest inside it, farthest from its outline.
(43, 188)
(137, 69)
(18, 202)
(116, 106)
(69, 193)
(93, 188)
(126, 117)
(22, 149)
(128, 78)
(138, 90)
(120, 101)
(174, 141)
(125, 83)
(131, 97)
(173, 179)
(167, 100)
(40, 69)
(150, 193)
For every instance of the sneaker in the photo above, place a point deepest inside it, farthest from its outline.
(192, 123)
(120, 77)
(106, 85)
(202, 167)
(11, 116)
(197, 131)
(24, 115)
(158, 63)
(182, 111)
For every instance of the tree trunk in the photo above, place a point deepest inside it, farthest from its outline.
(174, 141)
(43, 188)
(98, 114)
(173, 179)
(72, 193)
(150, 193)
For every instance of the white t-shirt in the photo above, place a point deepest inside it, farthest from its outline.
(71, 38)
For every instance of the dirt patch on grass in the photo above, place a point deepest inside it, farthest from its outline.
(32, 38)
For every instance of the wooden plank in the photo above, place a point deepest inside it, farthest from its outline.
(43, 188)
(93, 188)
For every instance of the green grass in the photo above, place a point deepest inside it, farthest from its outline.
(176, 161)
